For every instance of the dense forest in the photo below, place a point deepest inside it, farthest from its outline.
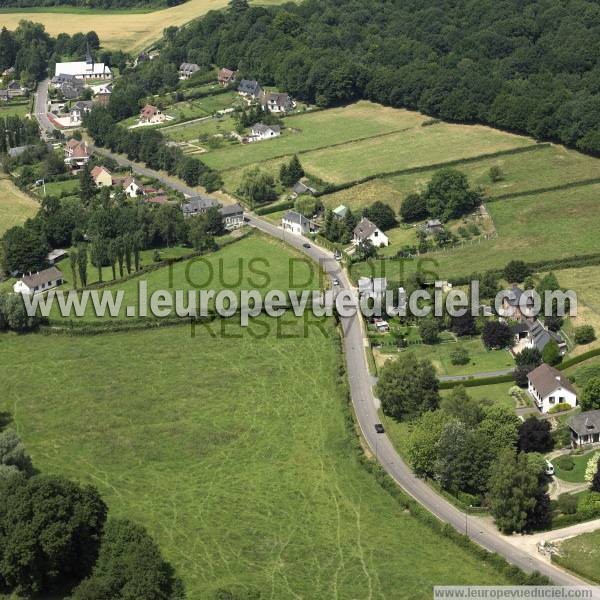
(530, 66)
(106, 4)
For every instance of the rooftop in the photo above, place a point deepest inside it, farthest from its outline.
(586, 422)
(40, 278)
(547, 379)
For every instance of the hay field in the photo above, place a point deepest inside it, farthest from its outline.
(15, 206)
(127, 30)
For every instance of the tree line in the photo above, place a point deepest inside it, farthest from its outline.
(512, 64)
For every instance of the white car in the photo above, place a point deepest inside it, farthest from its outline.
(336, 282)
(549, 468)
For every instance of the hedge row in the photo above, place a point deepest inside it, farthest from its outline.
(267, 210)
(451, 163)
(575, 360)
(475, 382)
(515, 574)
(553, 188)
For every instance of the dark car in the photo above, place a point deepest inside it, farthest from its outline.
(306, 245)
(379, 428)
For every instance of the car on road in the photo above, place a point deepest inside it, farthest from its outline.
(379, 428)
(336, 281)
(306, 245)
(549, 468)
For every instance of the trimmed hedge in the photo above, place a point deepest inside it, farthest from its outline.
(267, 210)
(475, 382)
(575, 360)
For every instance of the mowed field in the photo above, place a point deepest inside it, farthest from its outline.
(117, 30)
(15, 206)
(541, 167)
(233, 451)
(255, 262)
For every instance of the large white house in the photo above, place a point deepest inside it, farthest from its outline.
(367, 230)
(549, 387)
(38, 282)
(296, 223)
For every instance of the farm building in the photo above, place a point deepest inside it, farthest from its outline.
(38, 282)
(549, 387)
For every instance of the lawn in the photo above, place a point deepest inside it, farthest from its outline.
(577, 474)
(234, 453)
(15, 206)
(256, 262)
(14, 109)
(57, 188)
(309, 131)
(480, 359)
(202, 107)
(192, 131)
(124, 29)
(581, 554)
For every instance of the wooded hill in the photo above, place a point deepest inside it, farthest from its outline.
(529, 66)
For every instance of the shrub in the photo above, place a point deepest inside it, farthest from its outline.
(561, 407)
(459, 356)
(567, 504)
(564, 462)
(584, 334)
(496, 174)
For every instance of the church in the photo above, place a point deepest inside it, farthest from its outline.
(88, 69)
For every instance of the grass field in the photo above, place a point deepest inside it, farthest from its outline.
(581, 554)
(234, 453)
(577, 474)
(14, 109)
(320, 129)
(256, 262)
(529, 228)
(15, 206)
(121, 29)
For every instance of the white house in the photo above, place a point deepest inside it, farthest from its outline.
(132, 187)
(276, 103)
(367, 230)
(585, 428)
(261, 131)
(38, 282)
(152, 114)
(296, 223)
(79, 110)
(549, 387)
(186, 70)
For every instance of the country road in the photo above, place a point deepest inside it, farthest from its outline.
(480, 530)
(41, 107)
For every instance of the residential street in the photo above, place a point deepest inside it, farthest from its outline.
(41, 105)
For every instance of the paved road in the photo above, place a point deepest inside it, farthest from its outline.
(41, 106)
(480, 530)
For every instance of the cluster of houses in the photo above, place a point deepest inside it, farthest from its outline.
(132, 186)
(232, 215)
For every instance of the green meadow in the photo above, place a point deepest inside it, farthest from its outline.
(234, 452)
(581, 554)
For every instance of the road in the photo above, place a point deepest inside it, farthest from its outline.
(480, 530)
(41, 108)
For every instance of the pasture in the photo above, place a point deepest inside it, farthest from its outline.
(15, 206)
(581, 554)
(14, 109)
(124, 29)
(529, 228)
(255, 262)
(321, 129)
(234, 453)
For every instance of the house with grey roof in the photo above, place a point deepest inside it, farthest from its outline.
(340, 212)
(249, 88)
(549, 387)
(39, 282)
(302, 188)
(533, 334)
(276, 102)
(585, 428)
(260, 131)
(198, 206)
(367, 230)
(297, 223)
(232, 215)
(433, 226)
(186, 70)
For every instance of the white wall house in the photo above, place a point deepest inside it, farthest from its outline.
(132, 187)
(38, 282)
(264, 132)
(549, 387)
(296, 223)
(232, 215)
(367, 230)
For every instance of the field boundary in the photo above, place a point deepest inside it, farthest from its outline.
(553, 188)
(420, 169)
